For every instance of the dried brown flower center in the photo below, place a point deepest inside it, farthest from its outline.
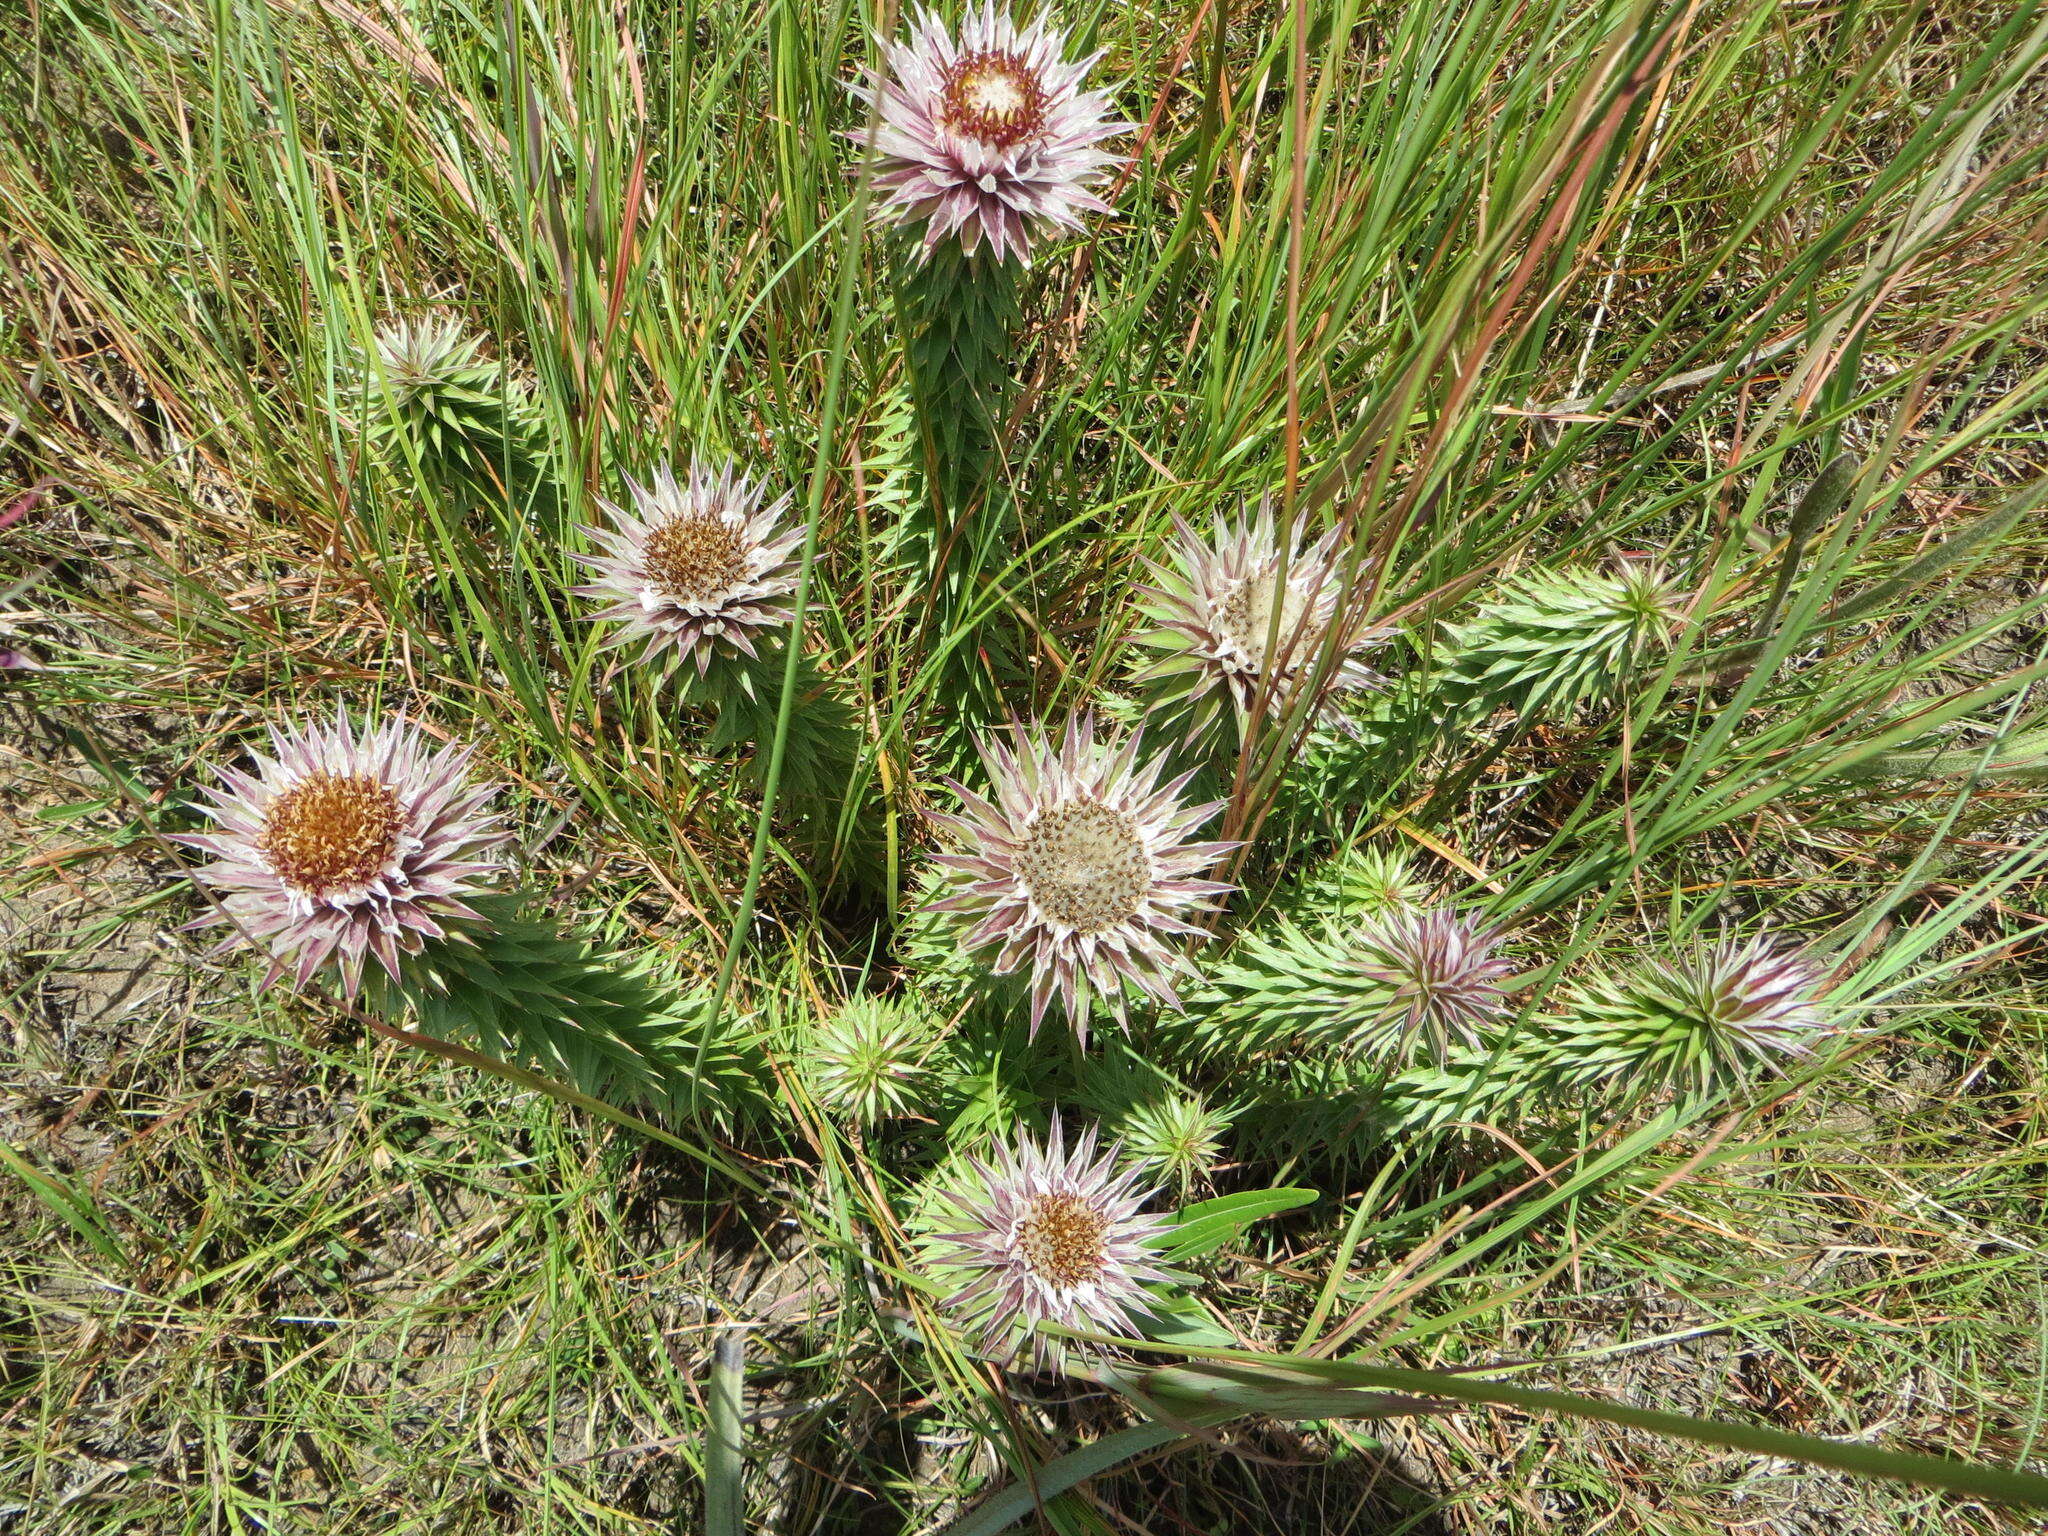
(993, 97)
(331, 832)
(1085, 864)
(695, 556)
(1061, 1239)
(1245, 619)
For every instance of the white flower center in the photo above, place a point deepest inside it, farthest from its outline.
(331, 832)
(695, 556)
(993, 97)
(1060, 1239)
(1085, 865)
(994, 92)
(1244, 620)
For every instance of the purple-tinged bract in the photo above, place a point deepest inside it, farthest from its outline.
(1081, 866)
(1442, 971)
(695, 564)
(347, 842)
(985, 134)
(1698, 1022)
(1761, 999)
(1057, 1237)
(1214, 631)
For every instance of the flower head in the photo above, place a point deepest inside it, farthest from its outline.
(1214, 611)
(1056, 1237)
(693, 564)
(430, 354)
(985, 134)
(1080, 864)
(1699, 1020)
(1441, 970)
(347, 842)
(1759, 998)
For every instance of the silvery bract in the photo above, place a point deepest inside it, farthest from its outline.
(1080, 867)
(1055, 1236)
(985, 134)
(694, 564)
(347, 843)
(1213, 612)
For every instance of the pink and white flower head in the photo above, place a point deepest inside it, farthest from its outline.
(694, 564)
(1080, 865)
(1759, 999)
(1213, 613)
(1057, 1237)
(985, 133)
(347, 842)
(1442, 971)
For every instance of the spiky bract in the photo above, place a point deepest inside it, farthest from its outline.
(1179, 1136)
(1079, 866)
(985, 135)
(696, 566)
(432, 378)
(348, 841)
(871, 1059)
(1234, 613)
(610, 1020)
(1443, 970)
(1355, 882)
(1054, 1235)
(1407, 975)
(1695, 1022)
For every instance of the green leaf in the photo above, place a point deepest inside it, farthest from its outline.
(1280, 1378)
(1208, 1226)
(56, 1192)
(1016, 1502)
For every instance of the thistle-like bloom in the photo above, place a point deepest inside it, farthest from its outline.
(1698, 1021)
(1080, 865)
(349, 841)
(986, 134)
(1056, 1237)
(1213, 611)
(694, 564)
(427, 355)
(1441, 970)
(1761, 999)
